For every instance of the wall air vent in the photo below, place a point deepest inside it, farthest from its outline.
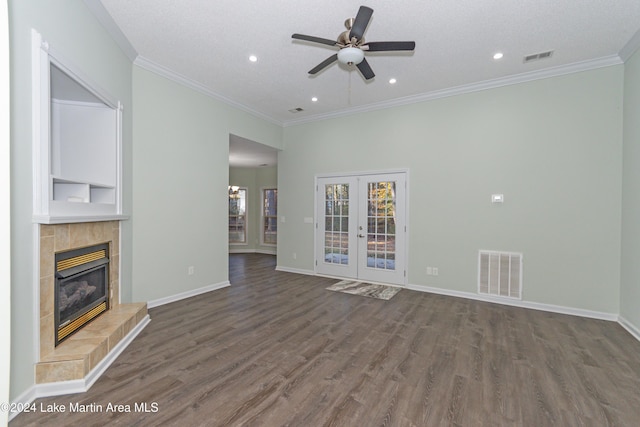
(500, 274)
(537, 56)
(296, 110)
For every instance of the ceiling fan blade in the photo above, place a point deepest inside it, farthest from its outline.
(366, 70)
(388, 46)
(314, 39)
(330, 60)
(361, 22)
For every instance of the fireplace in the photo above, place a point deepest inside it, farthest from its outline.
(81, 288)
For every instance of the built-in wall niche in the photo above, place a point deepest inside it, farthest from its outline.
(77, 142)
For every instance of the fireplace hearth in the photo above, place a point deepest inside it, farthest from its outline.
(81, 288)
(94, 346)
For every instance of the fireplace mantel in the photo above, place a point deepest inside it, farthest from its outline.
(52, 219)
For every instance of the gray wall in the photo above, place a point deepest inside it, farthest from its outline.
(553, 147)
(5, 214)
(630, 267)
(72, 31)
(181, 174)
(254, 179)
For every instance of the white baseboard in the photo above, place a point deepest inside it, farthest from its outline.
(295, 270)
(630, 327)
(518, 303)
(187, 294)
(78, 386)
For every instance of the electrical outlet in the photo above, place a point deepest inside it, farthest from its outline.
(435, 271)
(429, 271)
(191, 270)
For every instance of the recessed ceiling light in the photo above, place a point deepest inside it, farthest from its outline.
(314, 99)
(253, 58)
(392, 81)
(498, 55)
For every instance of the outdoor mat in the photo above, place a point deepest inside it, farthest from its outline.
(353, 287)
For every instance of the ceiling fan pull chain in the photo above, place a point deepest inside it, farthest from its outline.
(350, 74)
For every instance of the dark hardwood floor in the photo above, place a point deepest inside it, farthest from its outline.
(278, 349)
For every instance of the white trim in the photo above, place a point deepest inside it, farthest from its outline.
(187, 294)
(86, 104)
(104, 17)
(165, 72)
(517, 303)
(296, 270)
(40, 131)
(361, 173)
(5, 210)
(469, 88)
(630, 327)
(120, 259)
(631, 47)
(577, 67)
(48, 219)
(79, 386)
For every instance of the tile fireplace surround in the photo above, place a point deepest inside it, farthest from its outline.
(74, 358)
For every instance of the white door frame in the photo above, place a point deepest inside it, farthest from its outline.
(405, 247)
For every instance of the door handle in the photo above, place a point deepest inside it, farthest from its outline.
(361, 235)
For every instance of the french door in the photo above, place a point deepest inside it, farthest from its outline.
(360, 228)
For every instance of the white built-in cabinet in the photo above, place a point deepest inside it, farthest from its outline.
(77, 143)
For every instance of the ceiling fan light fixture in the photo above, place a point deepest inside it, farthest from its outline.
(350, 55)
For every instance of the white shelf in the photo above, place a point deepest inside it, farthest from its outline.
(76, 191)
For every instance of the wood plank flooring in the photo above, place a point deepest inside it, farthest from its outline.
(277, 349)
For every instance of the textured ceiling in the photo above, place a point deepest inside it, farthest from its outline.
(208, 43)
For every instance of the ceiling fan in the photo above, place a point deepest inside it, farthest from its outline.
(352, 45)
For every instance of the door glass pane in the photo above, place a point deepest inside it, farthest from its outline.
(381, 230)
(336, 230)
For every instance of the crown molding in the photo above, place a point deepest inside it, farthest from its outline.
(460, 90)
(631, 47)
(101, 14)
(198, 87)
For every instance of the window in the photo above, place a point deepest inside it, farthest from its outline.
(237, 214)
(269, 216)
